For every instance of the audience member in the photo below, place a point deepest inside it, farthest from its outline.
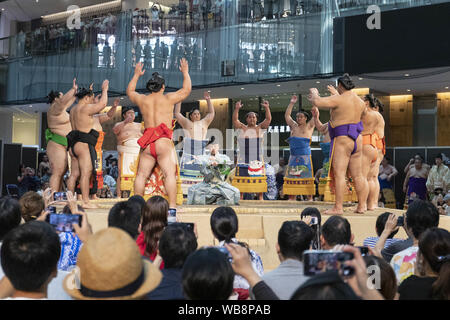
(176, 244)
(336, 230)
(307, 216)
(32, 205)
(431, 279)
(153, 222)
(207, 275)
(387, 281)
(10, 216)
(111, 267)
(29, 258)
(294, 237)
(437, 177)
(126, 215)
(379, 227)
(45, 164)
(224, 226)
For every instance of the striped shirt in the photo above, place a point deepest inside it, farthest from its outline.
(372, 241)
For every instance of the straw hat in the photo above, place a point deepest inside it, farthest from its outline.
(111, 267)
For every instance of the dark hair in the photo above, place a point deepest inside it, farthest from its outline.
(346, 82)
(371, 98)
(207, 275)
(83, 92)
(224, 223)
(379, 104)
(155, 83)
(248, 113)
(9, 215)
(31, 205)
(192, 111)
(125, 215)
(325, 286)
(438, 156)
(67, 210)
(52, 96)
(306, 114)
(30, 254)
(139, 200)
(294, 237)
(336, 230)
(177, 242)
(125, 110)
(154, 220)
(420, 216)
(313, 212)
(387, 158)
(434, 245)
(388, 281)
(381, 222)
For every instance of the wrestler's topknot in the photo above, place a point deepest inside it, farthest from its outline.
(155, 83)
(379, 104)
(371, 98)
(346, 82)
(52, 96)
(83, 92)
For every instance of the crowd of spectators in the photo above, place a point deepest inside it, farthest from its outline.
(143, 256)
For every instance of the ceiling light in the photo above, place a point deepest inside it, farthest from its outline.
(406, 74)
(408, 90)
(122, 98)
(278, 85)
(317, 81)
(360, 78)
(31, 106)
(446, 87)
(242, 88)
(209, 91)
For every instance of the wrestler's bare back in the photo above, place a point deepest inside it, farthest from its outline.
(80, 119)
(348, 110)
(156, 109)
(58, 122)
(379, 128)
(131, 130)
(370, 121)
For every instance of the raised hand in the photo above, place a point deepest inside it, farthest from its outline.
(332, 90)
(265, 104)
(312, 92)
(315, 112)
(138, 70)
(91, 87)
(206, 95)
(116, 103)
(105, 85)
(184, 67)
(97, 98)
(294, 99)
(74, 84)
(239, 105)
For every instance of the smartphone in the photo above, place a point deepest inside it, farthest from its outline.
(60, 196)
(51, 209)
(314, 221)
(364, 251)
(225, 252)
(318, 261)
(172, 216)
(400, 221)
(63, 222)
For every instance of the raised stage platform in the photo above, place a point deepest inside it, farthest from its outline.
(259, 222)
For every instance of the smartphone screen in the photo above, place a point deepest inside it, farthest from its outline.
(400, 221)
(318, 261)
(172, 216)
(60, 196)
(63, 222)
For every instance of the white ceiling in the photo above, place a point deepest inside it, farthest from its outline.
(26, 10)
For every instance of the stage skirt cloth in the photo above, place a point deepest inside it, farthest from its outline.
(417, 189)
(250, 174)
(190, 167)
(128, 167)
(323, 179)
(299, 177)
(99, 162)
(388, 193)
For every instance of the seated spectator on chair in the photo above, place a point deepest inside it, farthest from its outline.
(224, 226)
(336, 230)
(126, 215)
(379, 227)
(387, 280)
(153, 222)
(32, 205)
(207, 275)
(420, 216)
(29, 258)
(176, 244)
(294, 237)
(46, 176)
(431, 279)
(112, 268)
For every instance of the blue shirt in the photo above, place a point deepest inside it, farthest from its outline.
(170, 288)
(70, 247)
(372, 241)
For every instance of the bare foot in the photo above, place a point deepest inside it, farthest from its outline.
(360, 209)
(89, 206)
(94, 197)
(370, 208)
(334, 211)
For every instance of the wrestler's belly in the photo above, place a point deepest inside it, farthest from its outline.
(128, 136)
(62, 130)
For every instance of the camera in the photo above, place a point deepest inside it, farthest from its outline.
(60, 196)
(63, 222)
(400, 221)
(318, 261)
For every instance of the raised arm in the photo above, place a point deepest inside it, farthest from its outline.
(185, 91)
(71, 93)
(236, 123)
(131, 89)
(101, 104)
(322, 128)
(103, 117)
(328, 102)
(287, 115)
(211, 113)
(182, 120)
(266, 123)
(411, 161)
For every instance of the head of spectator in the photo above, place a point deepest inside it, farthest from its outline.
(176, 244)
(385, 161)
(325, 286)
(153, 222)
(294, 237)
(31, 205)
(111, 267)
(420, 216)
(207, 275)
(67, 209)
(140, 201)
(224, 223)
(10, 215)
(418, 161)
(438, 160)
(125, 215)
(336, 230)
(314, 214)
(381, 222)
(433, 260)
(29, 258)
(388, 281)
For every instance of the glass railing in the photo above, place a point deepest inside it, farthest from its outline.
(237, 44)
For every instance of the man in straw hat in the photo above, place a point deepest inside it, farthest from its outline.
(111, 268)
